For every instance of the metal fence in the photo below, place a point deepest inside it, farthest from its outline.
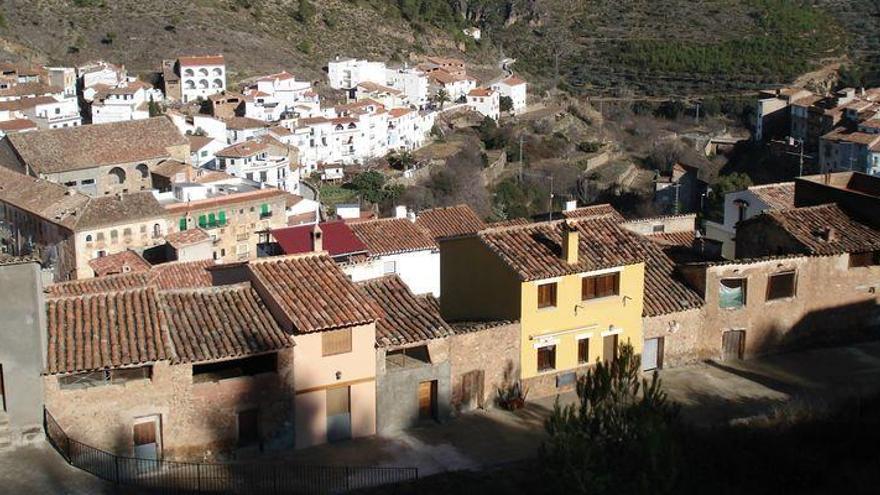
(269, 478)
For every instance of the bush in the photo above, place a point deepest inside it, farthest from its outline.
(589, 146)
(304, 12)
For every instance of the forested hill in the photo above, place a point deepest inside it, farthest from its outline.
(590, 46)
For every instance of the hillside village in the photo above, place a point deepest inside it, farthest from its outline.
(183, 287)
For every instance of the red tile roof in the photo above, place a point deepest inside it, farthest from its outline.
(202, 60)
(777, 196)
(172, 275)
(122, 262)
(392, 235)
(312, 292)
(181, 274)
(220, 323)
(103, 331)
(17, 125)
(681, 239)
(513, 81)
(186, 237)
(98, 285)
(243, 149)
(337, 238)
(450, 221)
(406, 319)
(594, 211)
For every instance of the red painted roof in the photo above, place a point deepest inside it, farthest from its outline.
(337, 239)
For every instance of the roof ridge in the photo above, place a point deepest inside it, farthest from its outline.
(205, 290)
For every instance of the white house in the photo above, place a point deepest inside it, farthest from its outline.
(514, 88)
(273, 97)
(485, 101)
(239, 129)
(473, 32)
(199, 124)
(127, 101)
(402, 249)
(203, 150)
(259, 162)
(385, 95)
(412, 82)
(201, 76)
(456, 85)
(347, 73)
(745, 204)
(101, 72)
(53, 112)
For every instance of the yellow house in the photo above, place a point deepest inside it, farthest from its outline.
(576, 287)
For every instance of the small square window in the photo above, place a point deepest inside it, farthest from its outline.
(781, 285)
(547, 358)
(547, 295)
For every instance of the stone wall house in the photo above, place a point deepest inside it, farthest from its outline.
(483, 358)
(97, 160)
(412, 357)
(147, 373)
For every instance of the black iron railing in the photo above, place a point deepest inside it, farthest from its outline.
(269, 478)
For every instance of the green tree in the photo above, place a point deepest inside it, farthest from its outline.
(621, 437)
(505, 103)
(370, 186)
(441, 98)
(153, 108)
(305, 12)
(729, 183)
(400, 160)
(492, 136)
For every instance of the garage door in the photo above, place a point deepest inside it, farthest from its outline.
(652, 354)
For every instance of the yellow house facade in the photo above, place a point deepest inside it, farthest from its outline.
(575, 286)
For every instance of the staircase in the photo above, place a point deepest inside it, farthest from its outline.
(5, 433)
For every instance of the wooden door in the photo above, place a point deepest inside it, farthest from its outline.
(146, 436)
(428, 400)
(609, 348)
(472, 390)
(248, 427)
(338, 414)
(733, 344)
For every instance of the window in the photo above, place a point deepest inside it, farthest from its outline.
(249, 366)
(265, 212)
(104, 377)
(182, 224)
(248, 427)
(732, 293)
(99, 236)
(114, 235)
(203, 221)
(869, 258)
(126, 232)
(389, 267)
(583, 351)
(781, 285)
(411, 356)
(547, 358)
(600, 286)
(336, 342)
(547, 295)
(89, 238)
(157, 230)
(658, 228)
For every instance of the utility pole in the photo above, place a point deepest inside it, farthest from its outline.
(521, 158)
(550, 206)
(697, 116)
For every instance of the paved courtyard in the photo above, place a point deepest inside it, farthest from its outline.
(709, 393)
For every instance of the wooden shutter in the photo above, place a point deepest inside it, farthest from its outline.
(182, 224)
(547, 358)
(547, 295)
(583, 351)
(336, 342)
(203, 221)
(588, 288)
(144, 433)
(338, 401)
(221, 217)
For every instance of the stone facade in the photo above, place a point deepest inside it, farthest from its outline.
(197, 420)
(832, 303)
(681, 336)
(397, 388)
(482, 360)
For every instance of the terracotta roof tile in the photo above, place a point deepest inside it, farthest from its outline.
(392, 235)
(406, 318)
(823, 230)
(220, 323)
(337, 238)
(777, 196)
(187, 237)
(181, 274)
(76, 148)
(103, 331)
(42, 198)
(98, 285)
(594, 211)
(172, 275)
(450, 221)
(123, 262)
(116, 209)
(243, 149)
(202, 60)
(313, 292)
(681, 239)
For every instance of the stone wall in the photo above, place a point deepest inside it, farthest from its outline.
(481, 359)
(681, 336)
(198, 421)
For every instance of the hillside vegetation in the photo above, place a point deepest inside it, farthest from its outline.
(655, 47)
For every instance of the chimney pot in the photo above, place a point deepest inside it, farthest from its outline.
(317, 239)
(570, 240)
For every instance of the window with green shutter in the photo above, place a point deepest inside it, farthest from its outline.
(212, 220)
(222, 217)
(203, 221)
(264, 210)
(182, 224)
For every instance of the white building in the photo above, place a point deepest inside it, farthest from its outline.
(412, 82)
(199, 124)
(127, 101)
(101, 72)
(63, 77)
(745, 204)
(516, 89)
(260, 162)
(203, 150)
(53, 112)
(347, 73)
(402, 249)
(276, 96)
(485, 101)
(201, 77)
(240, 129)
(389, 97)
(456, 86)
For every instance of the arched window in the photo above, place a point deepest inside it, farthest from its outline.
(126, 232)
(116, 176)
(190, 85)
(218, 83)
(157, 231)
(189, 73)
(352, 126)
(144, 171)
(203, 71)
(218, 71)
(89, 238)
(203, 83)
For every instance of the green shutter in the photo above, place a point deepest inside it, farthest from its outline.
(182, 224)
(203, 221)
(264, 209)
(222, 217)
(212, 220)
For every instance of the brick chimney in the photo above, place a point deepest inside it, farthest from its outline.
(317, 239)
(569, 242)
